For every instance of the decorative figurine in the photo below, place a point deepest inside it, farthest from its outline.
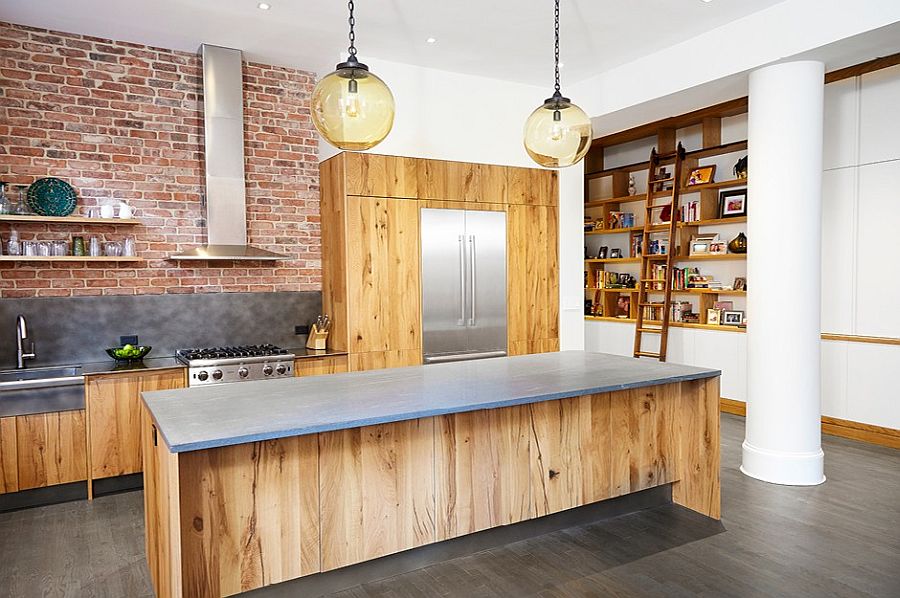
(740, 168)
(631, 187)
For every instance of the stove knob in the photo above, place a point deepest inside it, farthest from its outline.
(217, 374)
(281, 370)
(267, 370)
(202, 376)
(243, 372)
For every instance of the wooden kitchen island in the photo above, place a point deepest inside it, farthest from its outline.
(251, 484)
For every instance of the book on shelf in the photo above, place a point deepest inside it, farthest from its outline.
(689, 211)
(620, 220)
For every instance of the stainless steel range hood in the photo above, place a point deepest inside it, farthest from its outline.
(225, 198)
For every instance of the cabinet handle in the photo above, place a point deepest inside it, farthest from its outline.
(462, 282)
(154, 434)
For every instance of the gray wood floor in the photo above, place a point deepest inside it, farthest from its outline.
(838, 539)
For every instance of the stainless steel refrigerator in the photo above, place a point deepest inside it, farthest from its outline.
(463, 284)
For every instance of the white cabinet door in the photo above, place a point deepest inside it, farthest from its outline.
(841, 124)
(879, 126)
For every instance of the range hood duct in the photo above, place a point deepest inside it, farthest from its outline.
(225, 196)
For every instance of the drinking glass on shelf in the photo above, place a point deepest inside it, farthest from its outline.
(60, 248)
(128, 247)
(112, 249)
(44, 248)
(29, 248)
(94, 247)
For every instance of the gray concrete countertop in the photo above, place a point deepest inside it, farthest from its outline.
(115, 367)
(228, 414)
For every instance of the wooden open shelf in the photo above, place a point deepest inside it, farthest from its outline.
(714, 221)
(671, 324)
(80, 220)
(711, 257)
(68, 258)
(596, 203)
(614, 231)
(719, 185)
(609, 319)
(621, 260)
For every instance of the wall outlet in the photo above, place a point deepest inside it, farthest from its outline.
(131, 339)
(301, 330)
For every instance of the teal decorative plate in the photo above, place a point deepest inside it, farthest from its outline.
(51, 197)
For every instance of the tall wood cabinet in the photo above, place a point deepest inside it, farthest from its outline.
(370, 237)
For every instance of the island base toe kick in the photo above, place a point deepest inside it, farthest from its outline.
(226, 520)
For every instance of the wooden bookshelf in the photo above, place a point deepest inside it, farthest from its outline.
(614, 231)
(718, 328)
(79, 220)
(717, 185)
(619, 260)
(598, 203)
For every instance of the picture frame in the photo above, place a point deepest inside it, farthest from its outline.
(713, 317)
(740, 283)
(701, 175)
(724, 305)
(732, 318)
(604, 251)
(717, 248)
(615, 254)
(732, 203)
(701, 243)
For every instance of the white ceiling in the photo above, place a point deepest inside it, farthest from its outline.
(504, 39)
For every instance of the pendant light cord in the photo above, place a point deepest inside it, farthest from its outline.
(556, 53)
(352, 21)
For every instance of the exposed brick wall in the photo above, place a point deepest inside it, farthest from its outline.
(124, 121)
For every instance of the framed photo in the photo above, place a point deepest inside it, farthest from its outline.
(718, 247)
(732, 318)
(701, 175)
(724, 305)
(615, 254)
(740, 283)
(713, 316)
(732, 203)
(701, 243)
(604, 251)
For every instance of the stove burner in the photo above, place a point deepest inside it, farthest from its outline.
(232, 352)
(220, 365)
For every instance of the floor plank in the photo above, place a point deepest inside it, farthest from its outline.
(838, 539)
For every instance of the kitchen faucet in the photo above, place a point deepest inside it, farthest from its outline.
(21, 338)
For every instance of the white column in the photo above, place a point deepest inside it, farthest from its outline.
(783, 435)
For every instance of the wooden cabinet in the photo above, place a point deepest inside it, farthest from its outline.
(383, 282)
(370, 261)
(532, 279)
(319, 366)
(42, 449)
(113, 408)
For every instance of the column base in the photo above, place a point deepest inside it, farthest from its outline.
(787, 469)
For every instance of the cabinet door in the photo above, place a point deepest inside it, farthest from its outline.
(113, 404)
(319, 366)
(50, 448)
(380, 176)
(379, 360)
(383, 274)
(533, 279)
(532, 187)
(462, 181)
(9, 461)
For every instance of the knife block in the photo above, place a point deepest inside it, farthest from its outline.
(316, 339)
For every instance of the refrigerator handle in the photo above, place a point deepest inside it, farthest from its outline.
(462, 282)
(472, 278)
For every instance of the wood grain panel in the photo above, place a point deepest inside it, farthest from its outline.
(333, 211)
(383, 249)
(249, 515)
(379, 360)
(461, 205)
(482, 470)
(377, 491)
(532, 278)
(461, 181)
(9, 462)
(532, 187)
(320, 366)
(51, 448)
(570, 449)
(374, 175)
(113, 404)
(162, 537)
(696, 430)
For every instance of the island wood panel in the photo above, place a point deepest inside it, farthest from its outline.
(162, 512)
(378, 360)
(532, 187)
(642, 432)
(320, 366)
(113, 404)
(374, 175)
(570, 447)
(383, 253)
(482, 470)
(9, 461)
(696, 432)
(462, 181)
(532, 279)
(241, 532)
(376, 491)
(50, 448)
(333, 214)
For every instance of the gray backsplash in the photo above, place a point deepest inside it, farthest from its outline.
(70, 330)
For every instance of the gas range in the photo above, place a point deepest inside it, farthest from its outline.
(221, 365)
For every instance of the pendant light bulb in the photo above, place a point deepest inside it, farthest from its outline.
(352, 108)
(558, 133)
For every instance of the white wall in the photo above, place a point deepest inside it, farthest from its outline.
(860, 275)
(452, 116)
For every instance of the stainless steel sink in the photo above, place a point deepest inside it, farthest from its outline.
(41, 390)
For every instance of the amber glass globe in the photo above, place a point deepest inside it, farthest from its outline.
(352, 108)
(558, 133)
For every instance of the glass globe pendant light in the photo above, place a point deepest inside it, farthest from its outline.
(558, 133)
(351, 107)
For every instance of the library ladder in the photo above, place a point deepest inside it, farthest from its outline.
(647, 282)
